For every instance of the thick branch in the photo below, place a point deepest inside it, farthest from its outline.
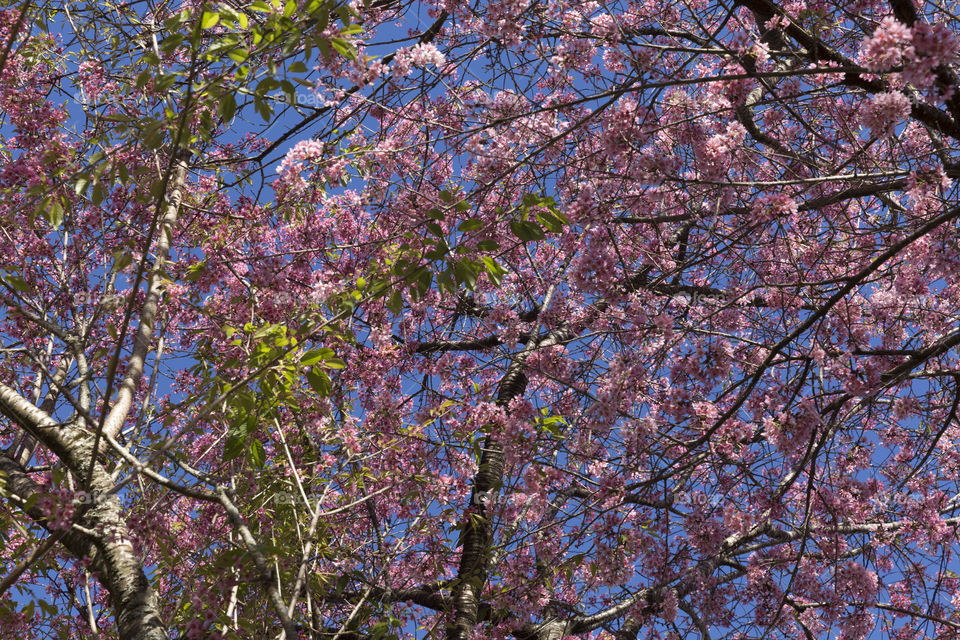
(263, 568)
(134, 602)
(141, 346)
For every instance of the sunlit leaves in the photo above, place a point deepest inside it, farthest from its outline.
(344, 48)
(228, 41)
(494, 271)
(545, 214)
(52, 208)
(451, 260)
(526, 230)
(209, 19)
(280, 367)
(16, 282)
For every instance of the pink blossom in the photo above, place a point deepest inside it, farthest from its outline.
(91, 75)
(890, 45)
(419, 55)
(669, 605)
(884, 111)
(936, 41)
(663, 321)
(58, 508)
(858, 581)
(774, 205)
(715, 153)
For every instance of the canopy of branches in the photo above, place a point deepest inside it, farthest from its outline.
(469, 319)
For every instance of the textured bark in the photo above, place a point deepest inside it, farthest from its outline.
(477, 529)
(629, 630)
(19, 484)
(134, 602)
(477, 525)
(132, 598)
(155, 288)
(550, 630)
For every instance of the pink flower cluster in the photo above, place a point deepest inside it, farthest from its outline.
(920, 50)
(58, 507)
(502, 21)
(889, 46)
(421, 55)
(304, 152)
(936, 41)
(199, 628)
(859, 582)
(773, 205)
(90, 74)
(925, 188)
(884, 111)
(592, 269)
(714, 155)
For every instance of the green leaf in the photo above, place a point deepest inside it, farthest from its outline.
(250, 423)
(153, 140)
(334, 363)
(494, 270)
(424, 280)
(256, 454)
(527, 231)
(195, 271)
(488, 245)
(344, 48)
(288, 91)
(209, 19)
(320, 382)
(395, 302)
(470, 224)
(239, 55)
(324, 47)
(171, 42)
(322, 18)
(122, 259)
(297, 67)
(559, 215)
(343, 13)
(48, 609)
(313, 357)
(465, 273)
(227, 106)
(445, 281)
(435, 229)
(442, 249)
(53, 212)
(267, 85)
(234, 447)
(18, 283)
(550, 222)
(264, 109)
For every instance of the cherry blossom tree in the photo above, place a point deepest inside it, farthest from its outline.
(500, 319)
